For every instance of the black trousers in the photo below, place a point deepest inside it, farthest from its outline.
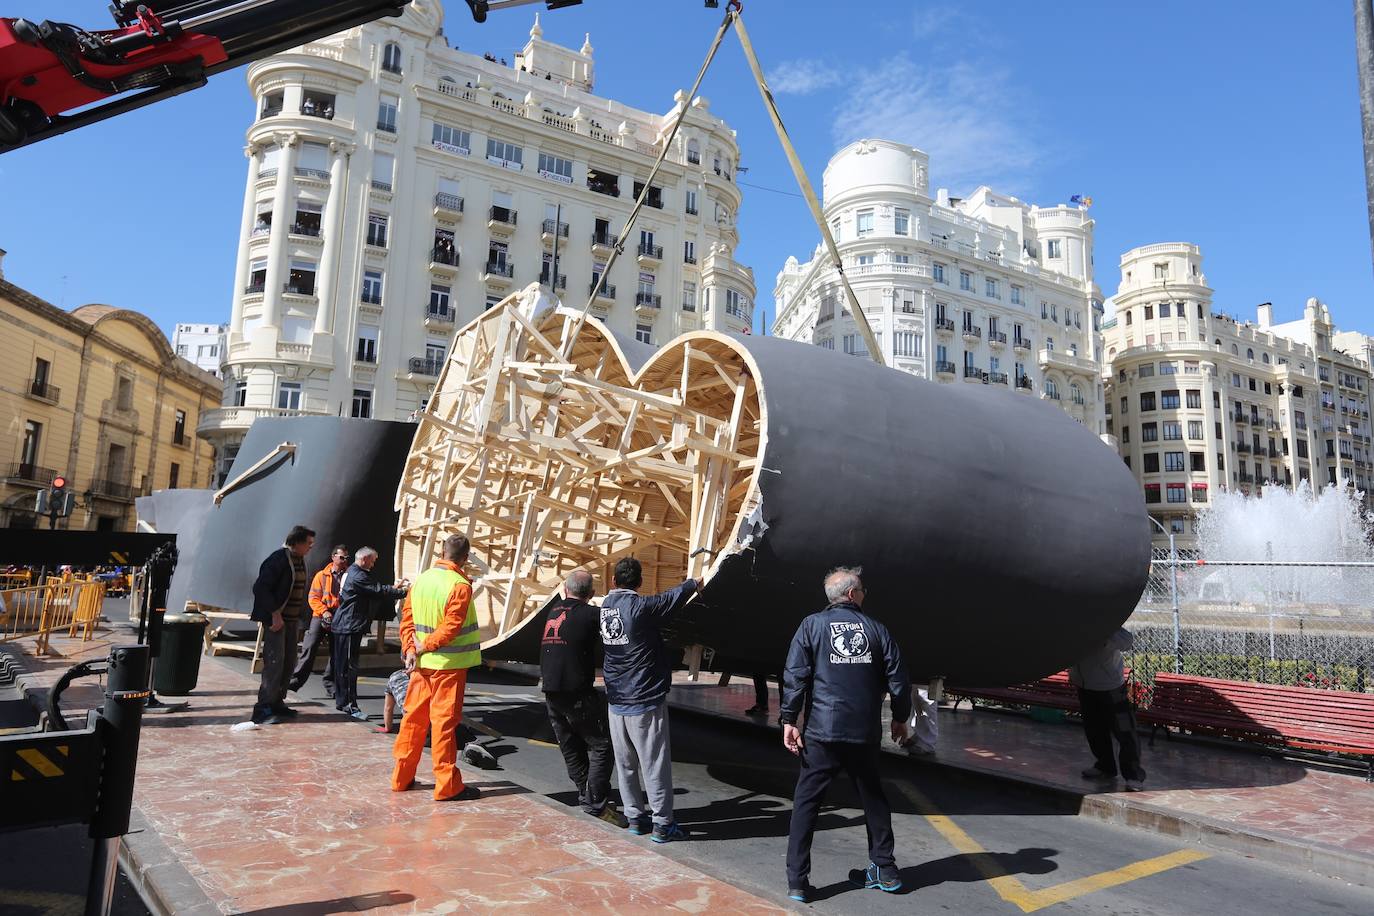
(1109, 714)
(277, 651)
(345, 647)
(821, 762)
(316, 636)
(761, 690)
(583, 732)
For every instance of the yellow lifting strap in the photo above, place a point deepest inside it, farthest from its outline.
(733, 16)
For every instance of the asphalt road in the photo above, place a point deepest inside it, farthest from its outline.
(44, 872)
(964, 845)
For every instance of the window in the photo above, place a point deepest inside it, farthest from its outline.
(439, 299)
(655, 196)
(689, 296)
(835, 231)
(908, 343)
(1168, 400)
(391, 63)
(1053, 249)
(644, 333)
(372, 287)
(1194, 399)
(383, 168)
(240, 393)
(1199, 492)
(288, 395)
(179, 428)
(386, 113)
(1199, 461)
(853, 345)
(173, 475)
(1173, 429)
(362, 403)
(1151, 462)
(1168, 368)
(33, 438)
(1164, 310)
(376, 229)
(436, 351)
(1128, 319)
(689, 252)
(317, 104)
(1173, 461)
(1125, 435)
(506, 155)
(1149, 432)
(1147, 370)
(451, 139)
(1015, 294)
(1125, 405)
(1147, 400)
(990, 287)
(736, 304)
(1176, 493)
(1149, 312)
(691, 202)
(1302, 448)
(937, 271)
(555, 168)
(366, 351)
(863, 222)
(1194, 429)
(1162, 271)
(966, 280)
(182, 350)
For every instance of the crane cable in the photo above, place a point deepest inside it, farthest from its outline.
(734, 16)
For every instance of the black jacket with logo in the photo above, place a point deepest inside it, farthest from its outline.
(359, 593)
(637, 666)
(841, 664)
(570, 646)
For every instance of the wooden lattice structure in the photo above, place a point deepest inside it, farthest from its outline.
(551, 463)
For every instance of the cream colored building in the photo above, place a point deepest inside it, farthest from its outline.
(397, 187)
(99, 396)
(1199, 403)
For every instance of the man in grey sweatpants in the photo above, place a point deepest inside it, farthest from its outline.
(638, 675)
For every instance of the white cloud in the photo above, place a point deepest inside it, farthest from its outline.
(967, 117)
(928, 20)
(803, 77)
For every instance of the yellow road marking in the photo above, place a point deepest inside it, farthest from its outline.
(536, 741)
(1010, 888)
(40, 763)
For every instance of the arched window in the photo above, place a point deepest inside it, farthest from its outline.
(693, 152)
(391, 58)
(1111, 354)
(1075, 393)
(1051, 389)
(1235, 351)
(1266, 358)
(1250, 353)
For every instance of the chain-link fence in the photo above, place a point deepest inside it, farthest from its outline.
(1306, 624)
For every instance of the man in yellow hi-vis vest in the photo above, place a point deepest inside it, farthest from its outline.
(440, 642)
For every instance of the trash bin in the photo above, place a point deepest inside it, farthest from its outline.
(183, 642)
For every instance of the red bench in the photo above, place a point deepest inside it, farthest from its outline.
(1301, 718)
(1053, 692)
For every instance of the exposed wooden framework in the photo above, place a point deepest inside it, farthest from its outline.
(552, 462)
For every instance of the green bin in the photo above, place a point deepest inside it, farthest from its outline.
(178, 665)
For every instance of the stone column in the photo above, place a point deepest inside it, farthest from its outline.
(278, 252)
(327, 287)
(245, 236)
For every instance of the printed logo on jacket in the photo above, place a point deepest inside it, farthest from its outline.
(613, 628)
(848, 643)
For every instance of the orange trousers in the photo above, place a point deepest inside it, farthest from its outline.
(434, 706)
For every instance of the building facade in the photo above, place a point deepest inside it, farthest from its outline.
(98, 396)
(397, 188)
(202, 344)
(984, 290)
(1199, 403)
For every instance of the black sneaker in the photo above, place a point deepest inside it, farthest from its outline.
(261, 716)
(641, 825)
(756, 711)
(803, 894)
(281, 709)
(886, 878)
(469, 793)
(666, 833)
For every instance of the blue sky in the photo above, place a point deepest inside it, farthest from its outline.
(1232, 125)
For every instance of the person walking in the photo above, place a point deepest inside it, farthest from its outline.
(278, 603)
(324, 601)
(439, 641)
(839, 666)
(567, 666)
(358, 590)
(638, 675)
(1104, 701)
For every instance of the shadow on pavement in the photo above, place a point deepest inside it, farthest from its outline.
(337, 905)
(963, 868)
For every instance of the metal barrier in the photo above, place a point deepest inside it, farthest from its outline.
(40, 610)
(1304, 624)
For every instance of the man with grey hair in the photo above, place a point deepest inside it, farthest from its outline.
(358, 592)
(567, 662)
(840, 665)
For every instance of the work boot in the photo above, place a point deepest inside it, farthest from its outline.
(469, 793)
(610, 815)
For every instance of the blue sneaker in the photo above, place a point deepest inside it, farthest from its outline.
(666, 833)
(641, 825)
(804, 893)
(886, 878)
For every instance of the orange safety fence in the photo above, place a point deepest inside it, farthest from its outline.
(41, 610)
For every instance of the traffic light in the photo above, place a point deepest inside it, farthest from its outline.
(57, 501)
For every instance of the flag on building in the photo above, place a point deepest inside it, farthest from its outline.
(1082, 201)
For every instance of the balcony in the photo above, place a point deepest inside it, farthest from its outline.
(109, 489)
(1244, 477)
(603, 243)
(1273, 453)
(448, 205)
(607, 291)
(443, 257)
(501, 220)
(42, 390)
(946, 368)
(440, 316)
(973, 374)
(1021, 344)
(1256, 421)
(1024, 384)
(30, 475)
(1049, 395)
(270, 111)
(1242, 448)
(1078, 400)
(305, 229)
(240, 418)
(997, 378)
(944, 326)
(424, 365)
(972, 334)
(255, 288)
(380, 185)
(650, 254)
(997, 339)
(689, 259)
(562, 282)
(370, 297)
(1239, 417)
(299, 289)
(650, 302)
(693, 158)
(498, 273)
(313, 174)
(551, 230)
(691, 210)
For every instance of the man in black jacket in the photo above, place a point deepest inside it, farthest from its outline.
(358, 590)
(567, 663)
(840, 665)
(279, 605)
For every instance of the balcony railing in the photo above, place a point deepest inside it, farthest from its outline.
(112, 490)
(550, 227)
(1078, 399)
(562, 280)
(443, 254)
(974, 332)
(1256, 421)
(689, 259)
(945, 367)
(1021, 343)
(424, 365)
(1242, 448)
(270, 111)
(1050, 395)
(31, 473)
(1024, 382)
(371, 298)
(379, 185)
(445, 313)
(648, 300)
(694, 158)
(502, 215)
(44, 391)
(386, 126)
(299, 289)
(506, 270)
(997, 378)
(311, 111)
(973, 372)
(692, 211)
(944, 324)
(607, 290)
(1239, 417)
(997, 337)
(317, 174)
(302, 229)
(255, 288)
(651, 251)
(450, 202)
(604, 239)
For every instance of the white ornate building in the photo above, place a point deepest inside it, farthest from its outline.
(985, 290)
(201, 344)
(1198, 402)
(397, 187)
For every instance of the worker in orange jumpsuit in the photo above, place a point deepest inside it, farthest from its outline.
(439, 642)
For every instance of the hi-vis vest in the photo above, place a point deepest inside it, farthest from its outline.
(427, 598)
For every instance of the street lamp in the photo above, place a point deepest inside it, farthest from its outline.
(1173, 591)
